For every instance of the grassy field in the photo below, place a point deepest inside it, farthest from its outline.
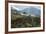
(19, 21)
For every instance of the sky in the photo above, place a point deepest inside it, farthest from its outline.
(23, 7)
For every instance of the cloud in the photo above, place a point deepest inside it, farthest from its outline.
(24, 7)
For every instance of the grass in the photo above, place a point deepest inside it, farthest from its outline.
(19, 21)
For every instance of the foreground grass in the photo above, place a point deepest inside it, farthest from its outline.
(19, 21)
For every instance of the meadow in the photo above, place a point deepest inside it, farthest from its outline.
(22, 21)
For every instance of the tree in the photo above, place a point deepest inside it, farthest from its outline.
(24, 13)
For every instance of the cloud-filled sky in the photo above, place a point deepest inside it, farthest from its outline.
(23, 7)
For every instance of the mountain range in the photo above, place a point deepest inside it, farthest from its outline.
(29, 10)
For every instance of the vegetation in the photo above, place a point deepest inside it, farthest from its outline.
(21, 21)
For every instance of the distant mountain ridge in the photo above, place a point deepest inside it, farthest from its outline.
(29, 10)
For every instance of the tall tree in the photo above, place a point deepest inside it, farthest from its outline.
(24, 13)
